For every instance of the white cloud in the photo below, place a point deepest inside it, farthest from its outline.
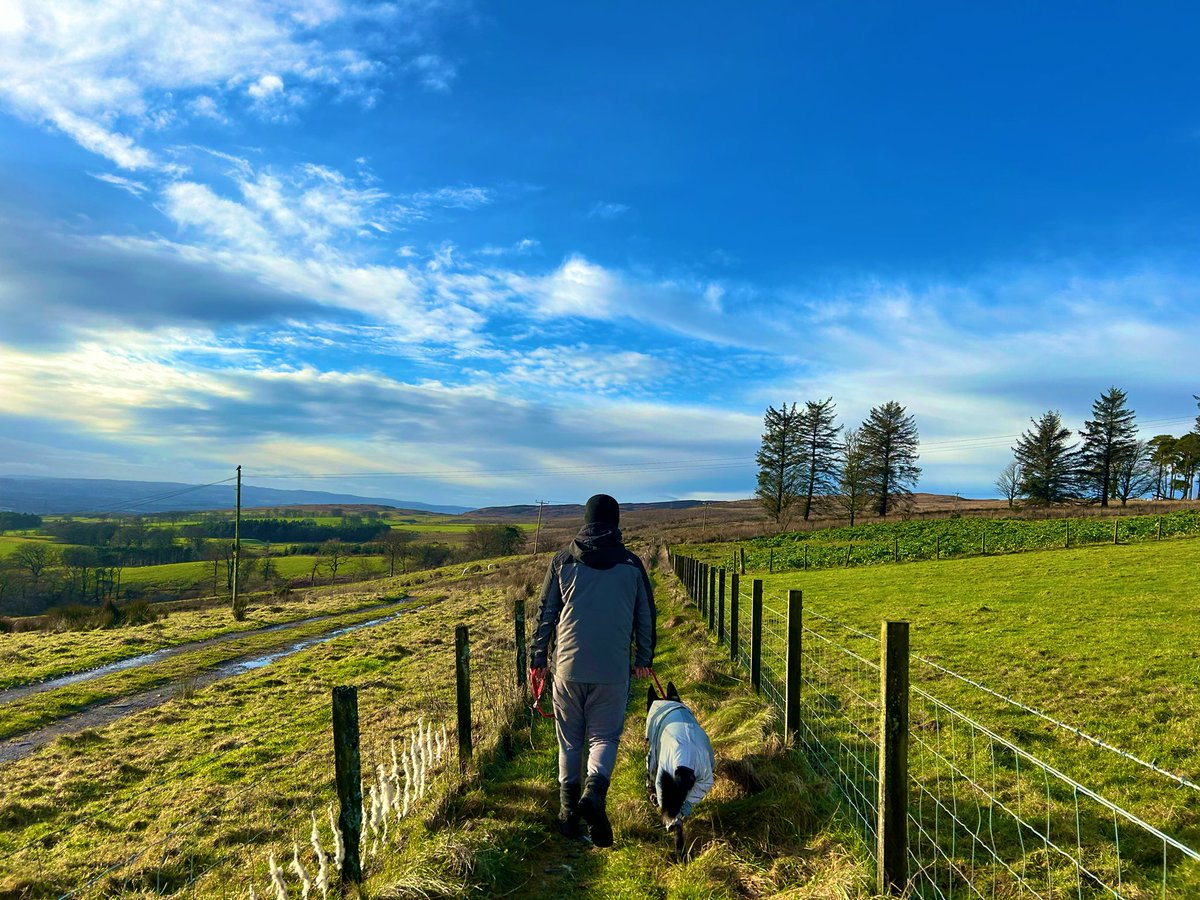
(466, 197)
(100, 71)
(602, 210)
(433, 71)
(136, 188)
(265, 87)
(206, 107)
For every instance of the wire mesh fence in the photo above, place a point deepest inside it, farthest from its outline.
(986, 817)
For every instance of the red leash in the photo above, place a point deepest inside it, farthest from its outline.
(658, 684)
(537, 680)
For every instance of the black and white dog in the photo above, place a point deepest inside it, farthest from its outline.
(679, 761)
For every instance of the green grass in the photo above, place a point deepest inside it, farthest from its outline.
(1101, 637)
(758, 840)
(886, 542)
(31, 656)
(44, 708)
(234, 769)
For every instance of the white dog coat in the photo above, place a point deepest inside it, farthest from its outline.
(676, 739)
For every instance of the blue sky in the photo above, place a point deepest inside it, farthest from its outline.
(532, 251)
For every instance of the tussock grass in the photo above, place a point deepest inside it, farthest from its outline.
(764, 830)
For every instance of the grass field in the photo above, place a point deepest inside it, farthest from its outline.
(214, 778)
(1103, 638)
(27, 657)
(206, 785)
(887, 542)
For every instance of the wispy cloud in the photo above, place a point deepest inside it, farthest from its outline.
(136, 188)
(609, 211)
(102, 73)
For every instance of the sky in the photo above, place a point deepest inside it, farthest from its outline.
(476, 254)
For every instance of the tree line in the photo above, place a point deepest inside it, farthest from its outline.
(807, 460)
(1108, 462)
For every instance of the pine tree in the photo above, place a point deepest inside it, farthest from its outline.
(1108, 439)
(889, 445)
(779, 461)
(1133, 475)
(819, 451)
(1049, 465)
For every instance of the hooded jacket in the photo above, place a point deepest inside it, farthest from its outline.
(676, 739)
(596, 602)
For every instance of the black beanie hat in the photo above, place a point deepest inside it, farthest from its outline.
(602, 509)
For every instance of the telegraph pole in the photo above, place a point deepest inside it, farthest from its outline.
(538, 531)
(237, 538)
(705, 524)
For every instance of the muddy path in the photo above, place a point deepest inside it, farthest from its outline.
(104, 713)
(20, 692)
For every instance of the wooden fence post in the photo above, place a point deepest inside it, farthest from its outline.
(939, 546)
(742, 552)
(704, 589)
(733, 616)
(791, 695)
(721, 607)
(895, 548)
(1160, 528)
(519, 618)
(462, 683)
(756, 611)
(1068, 530)
(806, 556)
(983, 544)
(1116, 525)
(892, 827)
(712, 598)
(849, 550)
(771, 562)
(347, 768)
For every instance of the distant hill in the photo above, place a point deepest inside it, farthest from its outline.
(571, 510)
(84, 495)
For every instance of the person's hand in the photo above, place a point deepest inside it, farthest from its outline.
(641, 671)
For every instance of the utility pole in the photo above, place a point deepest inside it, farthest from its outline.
(705, 523)
(237, 537)
(538, 531)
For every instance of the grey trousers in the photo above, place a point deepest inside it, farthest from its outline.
(591, 713)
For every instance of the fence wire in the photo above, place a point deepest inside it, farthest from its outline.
(986, 817)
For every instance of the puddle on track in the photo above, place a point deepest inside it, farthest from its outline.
(103, 714)
(21, 691)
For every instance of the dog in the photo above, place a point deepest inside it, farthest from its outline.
(679, 762)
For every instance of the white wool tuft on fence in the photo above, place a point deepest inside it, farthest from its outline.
(300, 872)
(339, 849)
(277, 882)
(322, 860)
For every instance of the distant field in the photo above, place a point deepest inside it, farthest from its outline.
(182, 576)
(1104, 637)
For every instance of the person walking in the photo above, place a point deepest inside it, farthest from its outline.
(595, 603)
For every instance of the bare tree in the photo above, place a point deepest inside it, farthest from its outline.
(854, 481)
(35, 557)
(334, 552)
(1009, 482)
(395, 545)
(1134, 473)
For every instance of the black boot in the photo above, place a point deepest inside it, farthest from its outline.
(591, 808)
(568, 809)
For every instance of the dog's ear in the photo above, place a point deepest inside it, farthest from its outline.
(651, 696)
(672, 693)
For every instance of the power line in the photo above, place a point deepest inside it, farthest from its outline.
(142, 501)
